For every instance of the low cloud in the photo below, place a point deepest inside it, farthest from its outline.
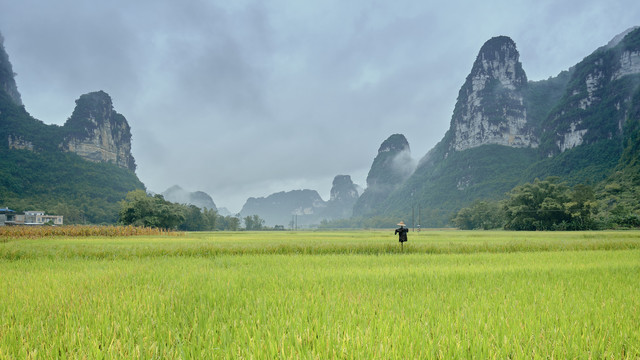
(404, 164)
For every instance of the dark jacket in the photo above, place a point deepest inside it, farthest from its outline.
(402, 233)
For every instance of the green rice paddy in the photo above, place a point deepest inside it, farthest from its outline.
(323, 295)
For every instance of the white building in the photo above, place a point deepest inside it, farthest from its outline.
(40, 218)
(9, 217)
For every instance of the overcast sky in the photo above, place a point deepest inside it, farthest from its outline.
(246, 98)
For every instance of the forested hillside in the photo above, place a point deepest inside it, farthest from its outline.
(581, 126)
(37, 175)
(37, 172)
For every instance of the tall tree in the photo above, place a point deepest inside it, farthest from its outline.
(481, 214)
(253, 222)
(537, 206)
(140, 209)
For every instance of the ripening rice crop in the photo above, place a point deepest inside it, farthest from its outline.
(34, 232)
(177, 300)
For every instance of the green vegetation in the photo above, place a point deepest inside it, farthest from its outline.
(481, 214)
(387, 172)
(262, 295)
(586, 164)
(382, 170)
(611, 172)
(142, 209)
(620, 192)
(541, 96)
(16, 122)
(369, 242)
(603, 117)
(45, 178)
(608, 101)
(550, 205)
(442, 188)
(89, 193)
(253, 222)
(449, 187)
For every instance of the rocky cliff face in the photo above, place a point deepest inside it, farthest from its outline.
(344, 194)
(94, 131)
(492, 103)
(392, 165)
(343, 189)
(37, 171)
(506, 130)
(490, 107)
(7, 76)
(98, 133)
(598, 96)
(390, 168)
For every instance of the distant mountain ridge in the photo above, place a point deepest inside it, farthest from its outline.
(304, 207)
(179, 195)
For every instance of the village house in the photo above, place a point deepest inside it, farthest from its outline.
(10, 217)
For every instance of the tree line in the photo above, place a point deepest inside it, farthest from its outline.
(547, 205)
(142, 209)
(541, 205)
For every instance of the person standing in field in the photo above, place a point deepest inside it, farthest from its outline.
(402, 233)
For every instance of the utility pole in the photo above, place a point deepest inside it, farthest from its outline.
(413, 207)
(413, 217)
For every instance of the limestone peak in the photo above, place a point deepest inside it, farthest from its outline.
(394, 143)
(7, 76)
(490, 107)
(343, 189)
(98, 133)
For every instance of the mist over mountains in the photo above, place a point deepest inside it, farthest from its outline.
(179, 195)
(505, 130)
(304, 208)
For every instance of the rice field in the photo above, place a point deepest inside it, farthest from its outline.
(322, 295)
(37, 232)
